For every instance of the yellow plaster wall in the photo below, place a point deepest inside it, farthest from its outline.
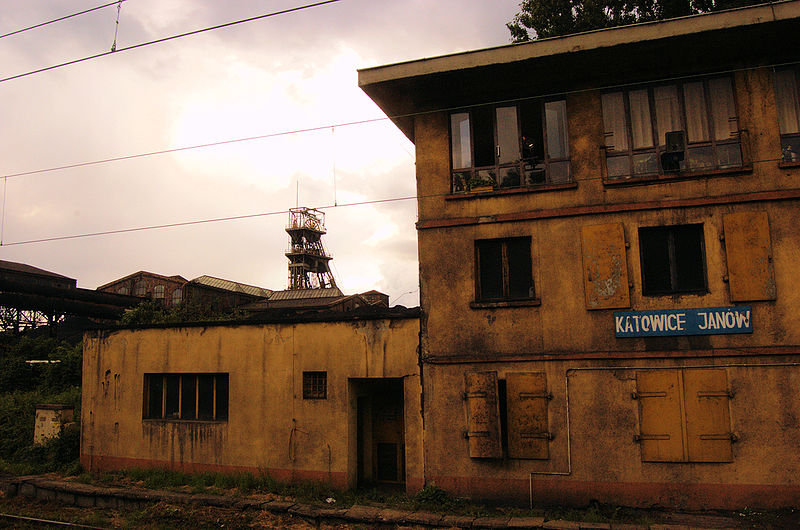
(593, 451)
(269, 426)
(562, 324)
(755, 101)
(561, 334)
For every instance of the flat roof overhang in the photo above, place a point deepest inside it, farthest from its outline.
(701, 44)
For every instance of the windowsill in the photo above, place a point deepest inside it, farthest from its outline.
(175, 420)
(684, 175)
(460, 195)
(532, 302)
(786, 165)
(676, 294)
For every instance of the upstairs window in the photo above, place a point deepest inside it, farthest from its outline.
(510, 146)
(158, 292)
(786, 96)
(504, 270)
(673, 260)
(140, 288)
(177, 296)
(673, 128)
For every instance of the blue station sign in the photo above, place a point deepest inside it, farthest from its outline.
(680, 322)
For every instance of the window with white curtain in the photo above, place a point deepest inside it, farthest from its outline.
(638, 120)
(788, 103)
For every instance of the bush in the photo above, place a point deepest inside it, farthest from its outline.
(17, 414)
(23, 386)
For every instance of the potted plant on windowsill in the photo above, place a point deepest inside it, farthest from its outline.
(482, 183)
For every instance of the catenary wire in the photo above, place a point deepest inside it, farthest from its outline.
(370, 120)
(199, 221)
(263, 214)
(171, 37)
(190, 147)
(378, 201)
(115, 2)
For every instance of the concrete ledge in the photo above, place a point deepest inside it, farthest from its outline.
(87, 495)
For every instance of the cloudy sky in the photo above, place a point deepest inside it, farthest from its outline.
(285, 73)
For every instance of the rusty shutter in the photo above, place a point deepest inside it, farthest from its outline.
(708, 423)
(605, 266)
(526, 408)
(660, 415)
(483, 413)
(749, 253)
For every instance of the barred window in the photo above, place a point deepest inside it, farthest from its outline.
(315, 385)
(201, 397)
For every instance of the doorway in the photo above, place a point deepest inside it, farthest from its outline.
(380, 432)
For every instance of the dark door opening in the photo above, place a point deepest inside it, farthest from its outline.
(380, 431)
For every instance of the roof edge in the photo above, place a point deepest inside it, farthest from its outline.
(595, 39)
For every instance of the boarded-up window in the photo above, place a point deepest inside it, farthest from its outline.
(605, 267)
(684, 415)
(749, 253)
(526, 405)
(483, 415)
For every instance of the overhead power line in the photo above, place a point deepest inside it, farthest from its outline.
(172, 37)
(189, 148)
(263, 214)
(361, 122)
(196, 222)
(115, 2)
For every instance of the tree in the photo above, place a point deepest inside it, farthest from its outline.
(540, 19)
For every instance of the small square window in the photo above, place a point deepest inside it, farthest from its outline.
(673, 260)
(315, 385)
(504, 269)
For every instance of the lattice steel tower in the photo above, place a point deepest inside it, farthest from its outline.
(308, 262)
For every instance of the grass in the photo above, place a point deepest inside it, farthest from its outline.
(430, 498)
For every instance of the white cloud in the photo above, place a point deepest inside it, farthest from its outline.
(278, 74)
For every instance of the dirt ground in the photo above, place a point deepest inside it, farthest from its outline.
(157, 516)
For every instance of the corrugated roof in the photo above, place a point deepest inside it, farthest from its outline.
(175, 278)
(229, 285)
(305, 294)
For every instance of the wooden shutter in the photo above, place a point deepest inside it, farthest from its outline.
(483, 413)
(660, 415)
(605, 266)
(749, 253)
(526, 409)
(708, 422)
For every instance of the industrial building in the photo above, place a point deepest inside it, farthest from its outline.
(607, 241)
(608, 247)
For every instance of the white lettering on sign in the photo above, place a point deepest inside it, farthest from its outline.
(729, 319)
(705, 321)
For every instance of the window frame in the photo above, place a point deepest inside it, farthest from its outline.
(159, 292)
(657, 149)
(467, 179)
(672, 245)
(789, 157)
(220, 404)
(315, 385)
(140, 288)
(505, 266)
